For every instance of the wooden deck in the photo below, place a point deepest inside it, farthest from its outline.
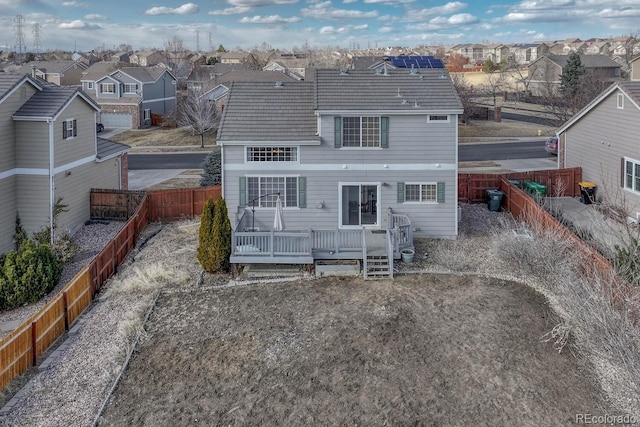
(306, 246)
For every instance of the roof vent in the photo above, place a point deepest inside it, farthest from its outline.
(414, 70)
(415, 104)
(344, 71)
(279, 84)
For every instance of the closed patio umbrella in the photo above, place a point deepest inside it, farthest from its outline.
(277, 221)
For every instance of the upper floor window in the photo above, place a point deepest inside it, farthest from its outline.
(107, 88)
(130, 88)
(632, 174)
(620, 101)
(361, 132)
(440, 118)
(69, 129)
(89, 85)
(272, 154)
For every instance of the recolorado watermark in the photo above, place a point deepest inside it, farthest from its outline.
(607, 419)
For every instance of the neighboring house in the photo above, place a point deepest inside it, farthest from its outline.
(147, 58)
(129, 96)
(496, 52)
(545, 72)
(205, 75)
(603, 140)
(49, 152)
(527, 52)
(634, 75)
(367, 62)
(291, 66)
(238, 58)
(120, 57)
(61, 73)
(353, 154)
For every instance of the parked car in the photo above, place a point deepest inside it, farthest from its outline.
(99, 127)
(551, 145)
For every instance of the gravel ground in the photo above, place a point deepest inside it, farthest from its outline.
(74, 388)
(91, 238)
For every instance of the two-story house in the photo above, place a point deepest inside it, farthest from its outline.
(545, 72)
(602, 139)
(353, 155)
(61, 73)
(49, 151)
(128, 96)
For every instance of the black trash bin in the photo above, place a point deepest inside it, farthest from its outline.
(587, 192)
(495, 199)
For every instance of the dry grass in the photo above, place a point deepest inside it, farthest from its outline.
(505, 130)
(155, 139)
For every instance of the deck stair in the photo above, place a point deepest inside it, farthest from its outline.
(378, 262)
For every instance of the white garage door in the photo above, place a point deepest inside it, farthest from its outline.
(116, 120)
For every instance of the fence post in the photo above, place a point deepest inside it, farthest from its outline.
(65, 303)
(34, 344)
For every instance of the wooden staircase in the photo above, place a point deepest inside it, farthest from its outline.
(377, 262)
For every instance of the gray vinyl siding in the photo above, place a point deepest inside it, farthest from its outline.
(32, 201)
(412, 140)
(599, 140)
(160, 96)
(84, 144)
(7, 213)
(75, 189)
(32, 144)
(7, 126)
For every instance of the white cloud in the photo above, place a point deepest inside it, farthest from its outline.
(388, 2)
(349, 1)
(343, 30)
(231, 10)
(445, 9)
(271, 19)
(258, 3)
(74, 4)
(77, 25)
(441, 23)
(385, 30)
(324, 10)
(185, 9)
(94, 17)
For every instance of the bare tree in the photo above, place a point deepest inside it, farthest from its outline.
(630, 44)
(496, 82)
(198, 113)
(465, 93)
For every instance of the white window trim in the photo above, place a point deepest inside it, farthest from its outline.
(633, 176)
(246, 155)
(429, 120)
(620, 101)
(378, 210)
(146, 114)
(90, 85)
(361, 147)
(266, 208)
(105, 85)
(420, 202)
(135, 86)
(69, 130)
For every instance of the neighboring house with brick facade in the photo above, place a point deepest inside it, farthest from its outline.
(49, 151)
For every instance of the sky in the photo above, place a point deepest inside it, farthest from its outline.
(84, 25)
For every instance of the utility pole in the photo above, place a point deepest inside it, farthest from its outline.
(21, 48)
(197, 40)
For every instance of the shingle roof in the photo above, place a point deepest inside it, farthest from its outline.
(397, 90)
(632, 89)
(58, 66)
(101, 69)
(264, 111)
(588, 61)
(48, 102)
(107, 148)
(8, 82)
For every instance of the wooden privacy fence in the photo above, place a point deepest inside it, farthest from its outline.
(22, 347)
(472, 188)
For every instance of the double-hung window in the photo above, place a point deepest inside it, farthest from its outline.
(107, 88)
(361, 132)
(262, 191)
(421, 192)
(69, 129)
(130, 88)
(632, 174)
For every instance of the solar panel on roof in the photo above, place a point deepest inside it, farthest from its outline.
(416, 61)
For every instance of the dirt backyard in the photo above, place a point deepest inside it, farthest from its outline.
(422, 349)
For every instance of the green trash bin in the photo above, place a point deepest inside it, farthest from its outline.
(535, 188)
(495, 199)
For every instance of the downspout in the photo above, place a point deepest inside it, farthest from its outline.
(51, 180)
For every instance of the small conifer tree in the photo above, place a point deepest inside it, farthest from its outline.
(221, 237)
(205, 237)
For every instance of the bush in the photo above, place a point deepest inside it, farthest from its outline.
(627, 261)
(28, 274)
(205, 237)
(221, 238)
